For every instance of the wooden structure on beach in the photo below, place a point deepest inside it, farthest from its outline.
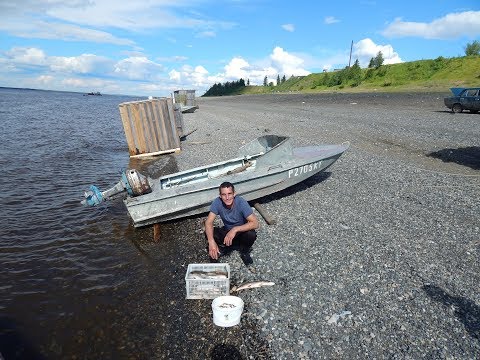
(186, 100)
(185, 97)
(152, 127)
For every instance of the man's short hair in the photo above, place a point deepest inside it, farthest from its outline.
(226, 184)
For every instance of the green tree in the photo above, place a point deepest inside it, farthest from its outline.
(227, 88)
(278, 79)
(378, 61)
(325, 79)
(336, 79)
(355, 73)
(472, 48)
(284, 79)
(248, 82)
(371, 64)
(265, 81)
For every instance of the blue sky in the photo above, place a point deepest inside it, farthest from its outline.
(153, 47)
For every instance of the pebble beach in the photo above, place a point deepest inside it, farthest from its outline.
(378, 257)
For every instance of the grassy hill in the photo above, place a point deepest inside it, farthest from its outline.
(423, 75)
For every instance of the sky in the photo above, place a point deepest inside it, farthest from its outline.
(153, 47)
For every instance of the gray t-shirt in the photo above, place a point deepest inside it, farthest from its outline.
(235, 216)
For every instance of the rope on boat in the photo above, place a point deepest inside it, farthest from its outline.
(236, 170)
(240, 169)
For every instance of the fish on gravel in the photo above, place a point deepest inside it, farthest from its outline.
(252, 285)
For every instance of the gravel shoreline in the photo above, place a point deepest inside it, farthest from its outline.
(376, 258)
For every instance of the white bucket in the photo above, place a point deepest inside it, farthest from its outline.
(227, 310)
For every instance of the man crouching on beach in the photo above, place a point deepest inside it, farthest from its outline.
(239, 224)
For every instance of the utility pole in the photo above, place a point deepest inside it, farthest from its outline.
(350, 60)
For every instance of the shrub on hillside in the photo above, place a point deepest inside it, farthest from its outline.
(472, 48)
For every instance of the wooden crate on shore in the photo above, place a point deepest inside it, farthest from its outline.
(150, 127)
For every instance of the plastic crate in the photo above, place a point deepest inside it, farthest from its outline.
(208, 288)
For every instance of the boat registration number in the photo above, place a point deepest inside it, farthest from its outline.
(304, 169)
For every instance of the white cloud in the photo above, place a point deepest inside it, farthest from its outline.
(450, 26)
(330, 20)
(199, 76)
(57, 31)
(128, 15)
(83, 64)
(106, 13)
(279, 62)
(26, 56)
(80, 20)
(83, 83)
(176, 58)
(206, 34)
(365, 49)
(175, 75)
(45, 79)
(153, 88)
(286, 63)
(189, 76)
(138, 68)
(236, 69)
(33, 68)
(288, 27)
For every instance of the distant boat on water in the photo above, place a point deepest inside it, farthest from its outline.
(93, 93)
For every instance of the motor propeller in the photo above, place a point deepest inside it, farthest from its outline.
(132, 182)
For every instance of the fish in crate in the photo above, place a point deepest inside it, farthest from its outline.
(207, 281)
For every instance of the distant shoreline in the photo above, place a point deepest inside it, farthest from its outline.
(324, 92)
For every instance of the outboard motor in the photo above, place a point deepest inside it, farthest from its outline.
(132, 182)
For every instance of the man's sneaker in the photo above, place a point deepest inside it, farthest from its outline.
(246, 258)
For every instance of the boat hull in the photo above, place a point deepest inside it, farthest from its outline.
(283, 168)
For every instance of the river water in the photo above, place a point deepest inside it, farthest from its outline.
(78, 282)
